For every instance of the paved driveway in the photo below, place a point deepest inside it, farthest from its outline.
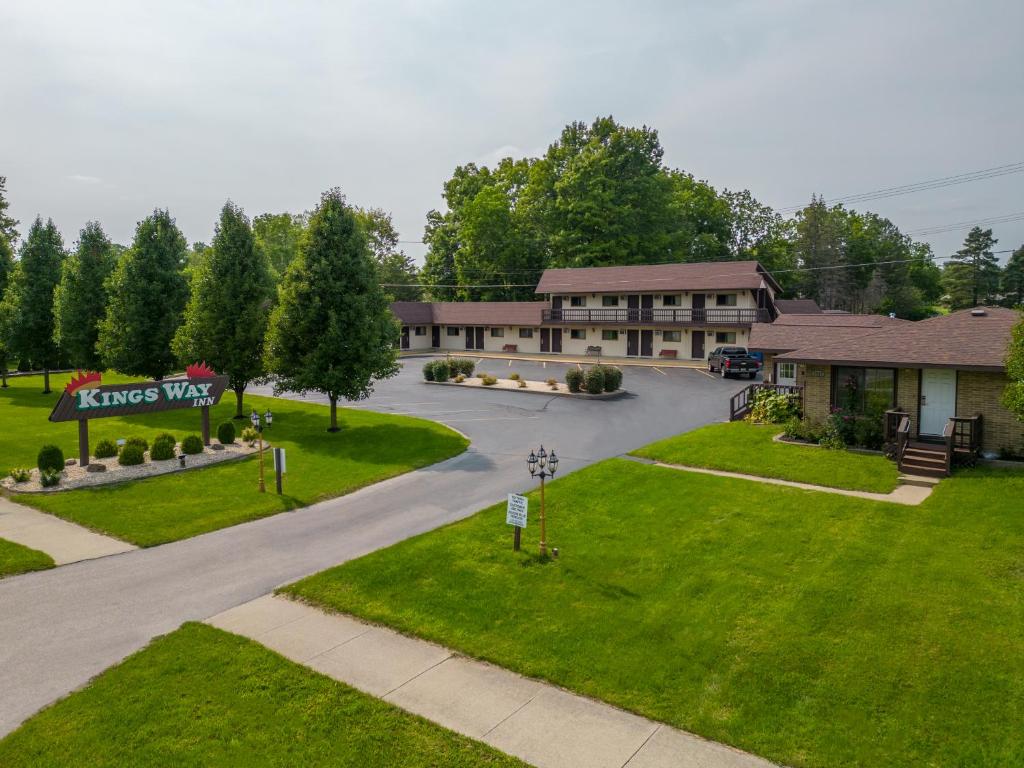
(59, 628)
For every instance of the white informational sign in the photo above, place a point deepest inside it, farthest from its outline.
(516, 513)
(284, 463)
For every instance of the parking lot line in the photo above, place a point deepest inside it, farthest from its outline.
(659, 370)
(701, 370)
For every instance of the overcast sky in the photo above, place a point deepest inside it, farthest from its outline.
(112, 109)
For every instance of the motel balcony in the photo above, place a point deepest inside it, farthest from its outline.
(665, 316)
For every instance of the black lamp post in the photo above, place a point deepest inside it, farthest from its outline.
(543, 465)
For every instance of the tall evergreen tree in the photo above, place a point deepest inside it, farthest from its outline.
(146, 297)
(28, 299)
(8, 225)
(972, 274)
(226, 317)
(1013, 279)
(6, 271)
(80, 299)
(821, 250)
(332, 330)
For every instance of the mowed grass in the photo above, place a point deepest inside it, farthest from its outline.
(750, 448)
(370, 447)
(813, 629)
(14, 558)
(200, 696)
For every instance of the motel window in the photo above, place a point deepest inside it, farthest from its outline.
(863, 390)
(725, 300)
(725, 337)
(453, 330)
(672, 336)
(609, 301)
(671, 300)
(526, 333)
(421, 330)
(578, 333)
(577, 301)
(609, 335)
(497, 333)
(787, 371)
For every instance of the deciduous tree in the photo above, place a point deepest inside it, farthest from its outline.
(332, 330)
(277, 235)
(80, 299)
(6, 271)
(1013, 395)
(8, 225)
(1013, 279)
(397, 272)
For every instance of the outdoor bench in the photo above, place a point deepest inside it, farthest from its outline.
(668, 353)
(594, 351)
(510, 348)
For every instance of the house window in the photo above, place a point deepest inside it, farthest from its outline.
(786, 371)
(526, 333)
(670, 301)
(577, 301)
(863, 390)
(672, 336)
(609, 301)
(497, 333)
(725, 300)
(607, 335)
(725, 337)
(578, 333)
(421, 330)
(453, 330)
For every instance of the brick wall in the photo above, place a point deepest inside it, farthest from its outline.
(817, 381)
(908, 394)
(983, 393)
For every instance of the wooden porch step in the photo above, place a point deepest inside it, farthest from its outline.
(925, 457)
(925, 470)
(921, 481)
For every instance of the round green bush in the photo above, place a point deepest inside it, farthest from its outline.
(192, 444)
(428, 371)
(612, 378)
(163, 447)
(593, 380)
(105, 449)
(442, 372)
(462, 365)
(138, 442)
(50, 457)
(131, 455)
(226, 433)
(574, 379)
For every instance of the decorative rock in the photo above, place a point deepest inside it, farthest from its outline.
(70, 462)
(93, 467)
(216, 447)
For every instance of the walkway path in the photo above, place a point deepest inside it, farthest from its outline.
(534, 721)
(63, 541)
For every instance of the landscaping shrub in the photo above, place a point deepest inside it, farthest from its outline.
(460, 378)
(139, 442)
(612, 378)
(593, 379)
(20, 474)
(442, 371)
(522, 384)
(803, 429)
(552, 382)
(868, 433)
(192, 444)
(488, 380)
(226, 433)
(49, 478)
(462, 365)
(250, 436)
(131, 455)
(574, 379)
(772, 407)
(163, 447)
(428, 371)
(50, 457)
(833, 436)
(105, 449)
(515, 376)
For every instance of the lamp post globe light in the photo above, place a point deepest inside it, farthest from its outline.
(542, 465)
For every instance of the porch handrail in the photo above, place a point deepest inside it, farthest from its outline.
(902, 439)
(892, 423)
(948, 432)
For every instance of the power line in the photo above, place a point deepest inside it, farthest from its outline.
(940, 228)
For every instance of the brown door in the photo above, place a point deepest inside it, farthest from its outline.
(698, 313)
(435, 336)
(647, 343)
(697, 347)
(556, 308)
(633, 308)
(647, 308)
(405, 337)
(545, 339)
(469, 337)
(632, 342)
(479, 337)
(556, 339)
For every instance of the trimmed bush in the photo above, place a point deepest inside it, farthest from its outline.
(105, 449)
(138, 442)
(441, 371)
(49, 478)
(163, 447)
(552, 382)
(460, 378)
(488, 380)
(574, 379)
(522, 384)
(192, 444)
(462, 365)
(20, 474)
(50, 457)
(612, 378)
(428, 371)
(250, 436)
(515, 376)
(226, 433)
(593, 379)
(131, 455)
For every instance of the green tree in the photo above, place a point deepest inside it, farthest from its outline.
(28, 299)
(80, 299)
(278, 235)
(6, 271)
(226, 316)
(441, 238)
(820, 250)
(146, 298)
(332, 330)
(8, 225)
(1013, 279)
(396, 271)
(971, 276)
(758, 233)
(1013, 395)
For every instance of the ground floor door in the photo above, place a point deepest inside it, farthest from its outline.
(632, 342)
(938, 399)
(556, 340)
(435, 336)
(697, 344)
(545, 339)
(474, 337)
(479, 337)
(405, 337)
(647, 343)
(469, 337)
(785, 374)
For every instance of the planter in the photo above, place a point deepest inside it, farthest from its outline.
(532, 387)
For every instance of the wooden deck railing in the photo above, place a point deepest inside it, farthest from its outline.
(741, 403)
(902, 439)
(655, 316)
(963, 442)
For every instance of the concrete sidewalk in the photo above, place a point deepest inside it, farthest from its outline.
(534, 721)
(63, 541)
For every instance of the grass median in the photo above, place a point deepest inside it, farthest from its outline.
(15, 559)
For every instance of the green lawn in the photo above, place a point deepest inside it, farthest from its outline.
(200, 696)
(811, 628)
(14, 558)
(369, 448)
(749, 448)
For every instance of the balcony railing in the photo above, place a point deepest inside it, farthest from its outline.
(655, 316)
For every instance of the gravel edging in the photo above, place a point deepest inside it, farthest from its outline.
(510, 385)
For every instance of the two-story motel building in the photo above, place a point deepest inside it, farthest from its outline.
(663, 310)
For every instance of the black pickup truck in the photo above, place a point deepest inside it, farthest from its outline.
(733, 361)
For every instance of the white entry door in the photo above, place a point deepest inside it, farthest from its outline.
(938, 399)
(785, 373)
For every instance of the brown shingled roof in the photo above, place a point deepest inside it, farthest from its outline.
(790, 332)
(709, 276)
(962, 340)
(524, 313)
(797, 306)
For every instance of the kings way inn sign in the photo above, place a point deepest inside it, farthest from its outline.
(84, 398)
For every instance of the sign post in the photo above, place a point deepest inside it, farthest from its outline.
(279, 466)
(515, 515)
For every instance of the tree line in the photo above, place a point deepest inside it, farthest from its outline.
(295, 299)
